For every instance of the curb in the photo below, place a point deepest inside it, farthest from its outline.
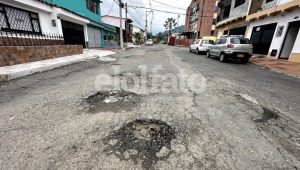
(12, 72)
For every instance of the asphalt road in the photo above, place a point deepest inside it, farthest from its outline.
(157, 107)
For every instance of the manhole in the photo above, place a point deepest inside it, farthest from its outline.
(146, 140)
(111, 101)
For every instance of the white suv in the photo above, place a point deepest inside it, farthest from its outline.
(231, 47)
(149, 42)
(200, 46)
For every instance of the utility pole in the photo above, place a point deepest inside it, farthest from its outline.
(126, 38)
(146, 23)
(178, 23)
(121, 5)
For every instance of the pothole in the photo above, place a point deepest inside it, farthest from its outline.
(267, 115)
(111, 101)
(143, 139)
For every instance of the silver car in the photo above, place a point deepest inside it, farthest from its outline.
(231, 47)
(200, 46)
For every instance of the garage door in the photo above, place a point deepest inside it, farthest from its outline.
(94, 38)
(73, 33)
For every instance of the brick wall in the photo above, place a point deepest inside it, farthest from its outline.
(24, 54)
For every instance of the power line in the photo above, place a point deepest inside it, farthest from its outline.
(135, 19)
(168, 5)
(169, 12)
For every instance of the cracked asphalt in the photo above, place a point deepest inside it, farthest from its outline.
(239, 116)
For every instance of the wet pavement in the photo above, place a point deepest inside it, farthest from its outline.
(157, 107)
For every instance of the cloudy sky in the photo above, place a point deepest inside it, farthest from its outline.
(138, 15)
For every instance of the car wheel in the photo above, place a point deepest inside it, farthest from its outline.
(197, 51)
(207, 54)
(190, 49)
(222, 57)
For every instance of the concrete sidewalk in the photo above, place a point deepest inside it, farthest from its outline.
(20, 70)
(282, 66)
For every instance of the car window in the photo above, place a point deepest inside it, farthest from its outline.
(218, 41)
(211, 41)
(240, 41)
(205, 42)
(197, 41)
(223, 41)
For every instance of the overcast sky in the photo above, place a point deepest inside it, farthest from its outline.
(108, 7)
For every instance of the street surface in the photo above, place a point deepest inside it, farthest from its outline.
(156, 107)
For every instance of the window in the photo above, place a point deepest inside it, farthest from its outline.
(16, 19)
(218, 41)
(226, 11)
(223, 41)
(267, 1)
(212, 32)
(239, 41)
(225, 32)
(92, 6)
(238, 3)
(214, 21)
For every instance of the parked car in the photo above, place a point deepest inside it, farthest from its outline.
(149, 42)
(231, 47)
(200, 46)
(163, 42)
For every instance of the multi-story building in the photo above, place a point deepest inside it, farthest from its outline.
(92, 30)
(274, 28)
(127, 26)
(201, 18)
(232, 17)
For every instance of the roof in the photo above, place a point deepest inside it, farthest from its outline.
(92, 21)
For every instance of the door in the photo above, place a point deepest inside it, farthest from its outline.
(289, 40)
(262, 37)
(73, 33)
(94, 38)
(213, 48)
(194, 45)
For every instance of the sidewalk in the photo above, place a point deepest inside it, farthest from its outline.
(282, 66)
(20, 70)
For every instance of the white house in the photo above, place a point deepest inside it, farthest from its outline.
(274, 29)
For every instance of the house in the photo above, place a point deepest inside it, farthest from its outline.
(136, 29)
(33, 25)
(274, 28)
(201, 18)
(231, 18)
(89, 33)
(127, 26)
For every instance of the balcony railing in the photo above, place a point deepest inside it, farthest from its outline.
(27, 39)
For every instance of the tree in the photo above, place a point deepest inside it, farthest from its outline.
(137, 36)
(169, 24)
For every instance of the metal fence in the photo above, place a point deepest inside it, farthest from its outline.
(29, 39)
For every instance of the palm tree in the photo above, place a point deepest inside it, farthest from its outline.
(169, 24)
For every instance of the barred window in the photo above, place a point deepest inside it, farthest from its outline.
(92, 6)
(16, 19)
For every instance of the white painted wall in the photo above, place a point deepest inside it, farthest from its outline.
(296, 48)
(281, 19)
(113, 21)
(44, 11)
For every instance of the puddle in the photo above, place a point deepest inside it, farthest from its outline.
(267, 115)
(111, 101)
(145, 140)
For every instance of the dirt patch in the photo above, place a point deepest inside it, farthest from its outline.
(111, 101)
(146, 140)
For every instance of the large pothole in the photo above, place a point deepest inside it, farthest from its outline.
(111, 101)
(145, 140)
